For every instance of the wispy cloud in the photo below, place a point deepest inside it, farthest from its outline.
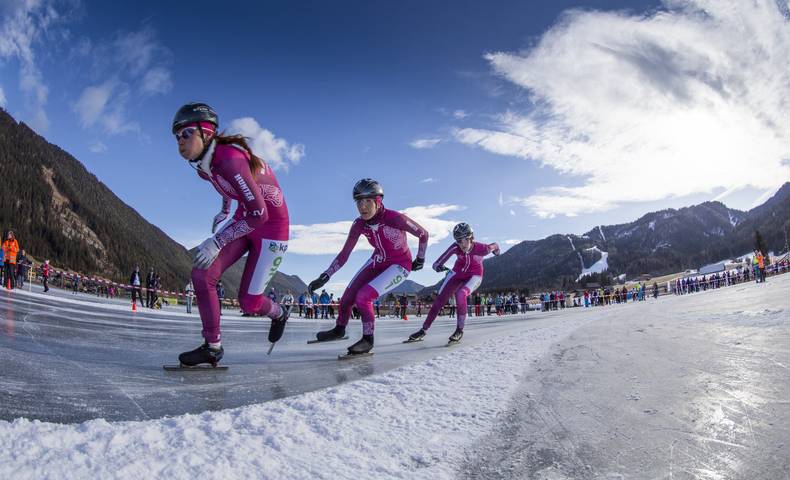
(640, 108)
(460, 114)
(512, 241)
(98, 147)
(24, 24)
(328, 238)
(129, 67)
(156, 81)
(428, 180)
(425, 143)
(277, 152)
(105, 105)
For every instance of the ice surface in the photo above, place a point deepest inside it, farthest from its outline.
(679, 387)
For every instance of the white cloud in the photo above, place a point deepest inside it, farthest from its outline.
(428, 217)
(428, 180)
(3, 100)
(98, 147)
(460, 114)
(277, 152)
(93, 102)
(156, 81)
(24, 24)
(512, 241)
(644, 108)
(130, 67)
(328, 238)
(137, 50)
(425, 143)
(105, 105)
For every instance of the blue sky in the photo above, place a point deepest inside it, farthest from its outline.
(522, 118)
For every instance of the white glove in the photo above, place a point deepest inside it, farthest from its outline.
(218, 218)
(206, 254)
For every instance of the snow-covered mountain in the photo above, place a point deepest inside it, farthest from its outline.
(657, 243)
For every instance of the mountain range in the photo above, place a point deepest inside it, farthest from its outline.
(658, 243)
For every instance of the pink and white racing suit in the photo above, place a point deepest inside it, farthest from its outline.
(258, 228)
(465, 277)
(387, 268)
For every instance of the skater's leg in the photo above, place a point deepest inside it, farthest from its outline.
(263, 260)
(449, 286)
(362, 277)
(205, 282)
(386, 281)
(461, 295)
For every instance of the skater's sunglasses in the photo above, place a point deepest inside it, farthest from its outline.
(186, 133)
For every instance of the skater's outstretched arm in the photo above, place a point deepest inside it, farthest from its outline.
(438, 265)
(351, 241)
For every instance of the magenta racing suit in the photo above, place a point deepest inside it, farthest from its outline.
(387, 268)
(465, 277)
(258, 228)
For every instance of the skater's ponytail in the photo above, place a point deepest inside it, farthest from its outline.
(255, 162)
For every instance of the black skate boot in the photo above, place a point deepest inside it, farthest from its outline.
(364, 345)
(336, 333)
(417, 336)
(278, 325)
(277, 328)
(456, 336)
(202, 354)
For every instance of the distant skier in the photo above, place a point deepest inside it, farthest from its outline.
(465, 277)
(387, 268)
(259, 227)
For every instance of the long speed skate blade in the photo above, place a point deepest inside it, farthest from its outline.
(409, 340)
(451, 343)
(202, 367)
(271, 347)
(349, 356)
(309, 342)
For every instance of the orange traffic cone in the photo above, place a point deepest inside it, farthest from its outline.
(134, 306)
(405, 317)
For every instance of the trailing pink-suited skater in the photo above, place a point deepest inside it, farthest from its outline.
(387, 268)
(464, 278)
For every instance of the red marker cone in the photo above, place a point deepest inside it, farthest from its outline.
(134, 306)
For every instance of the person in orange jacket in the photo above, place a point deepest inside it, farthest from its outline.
(10, 250)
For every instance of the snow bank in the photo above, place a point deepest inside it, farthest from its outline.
(412, 422)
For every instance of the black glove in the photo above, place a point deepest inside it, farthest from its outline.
(441, 269)
(417, 264)
(318, 282)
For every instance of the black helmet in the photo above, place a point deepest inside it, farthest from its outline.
(193, 113)
(462, 230)
(367, 188)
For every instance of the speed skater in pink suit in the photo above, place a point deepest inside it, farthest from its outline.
(465, 277)
(387, 268)
(258, 228)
